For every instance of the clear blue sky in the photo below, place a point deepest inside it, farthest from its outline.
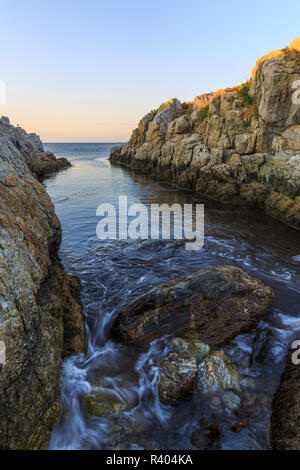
(89, 70)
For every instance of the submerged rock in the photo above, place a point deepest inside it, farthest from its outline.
(213, 305)
(206, 437)
(100, 404)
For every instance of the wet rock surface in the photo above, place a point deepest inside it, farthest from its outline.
(99, 404)
(177, 377)
(40, 307)
(191, 367)
(179, 369)
(117, 272)
(217, 373)
(214, 305)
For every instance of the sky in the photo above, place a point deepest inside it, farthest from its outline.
(88, 71)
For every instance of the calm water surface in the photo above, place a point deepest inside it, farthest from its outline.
(114, 272)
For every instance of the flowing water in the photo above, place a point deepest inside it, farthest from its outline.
(114, 272)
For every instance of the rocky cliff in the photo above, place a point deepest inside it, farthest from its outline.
(40, 309)
(239, 145)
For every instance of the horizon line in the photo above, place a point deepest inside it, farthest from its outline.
(117, 142)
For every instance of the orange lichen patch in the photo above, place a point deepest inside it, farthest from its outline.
(294, 46)
(203, 100)
(206, 98)
(167, 104)
(227, 90)
(271, 55)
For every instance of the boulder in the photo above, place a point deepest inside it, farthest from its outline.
(214, 305)
(179, 369)
(191, 366)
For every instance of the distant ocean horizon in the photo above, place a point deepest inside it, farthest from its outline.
(83, 143)
(76, 151)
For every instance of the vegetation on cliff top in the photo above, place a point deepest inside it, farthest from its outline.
(244, 95)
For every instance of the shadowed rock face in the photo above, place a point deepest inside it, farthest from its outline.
(214, 305)
(285, 422)
(40, 308)
(242, 146)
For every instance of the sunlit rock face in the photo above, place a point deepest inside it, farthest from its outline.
(203, 100)
(40, 307)
(239, 145)
(270, 55)
(294, 46)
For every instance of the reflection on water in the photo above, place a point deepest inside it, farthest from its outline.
(114, 272)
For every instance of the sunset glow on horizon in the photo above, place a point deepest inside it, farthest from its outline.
(78, 72)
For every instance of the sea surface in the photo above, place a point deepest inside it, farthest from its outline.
(113, 272)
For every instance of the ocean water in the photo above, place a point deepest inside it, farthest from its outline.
(113, 272)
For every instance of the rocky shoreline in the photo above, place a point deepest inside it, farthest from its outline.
(240, 146)
(40, 308)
